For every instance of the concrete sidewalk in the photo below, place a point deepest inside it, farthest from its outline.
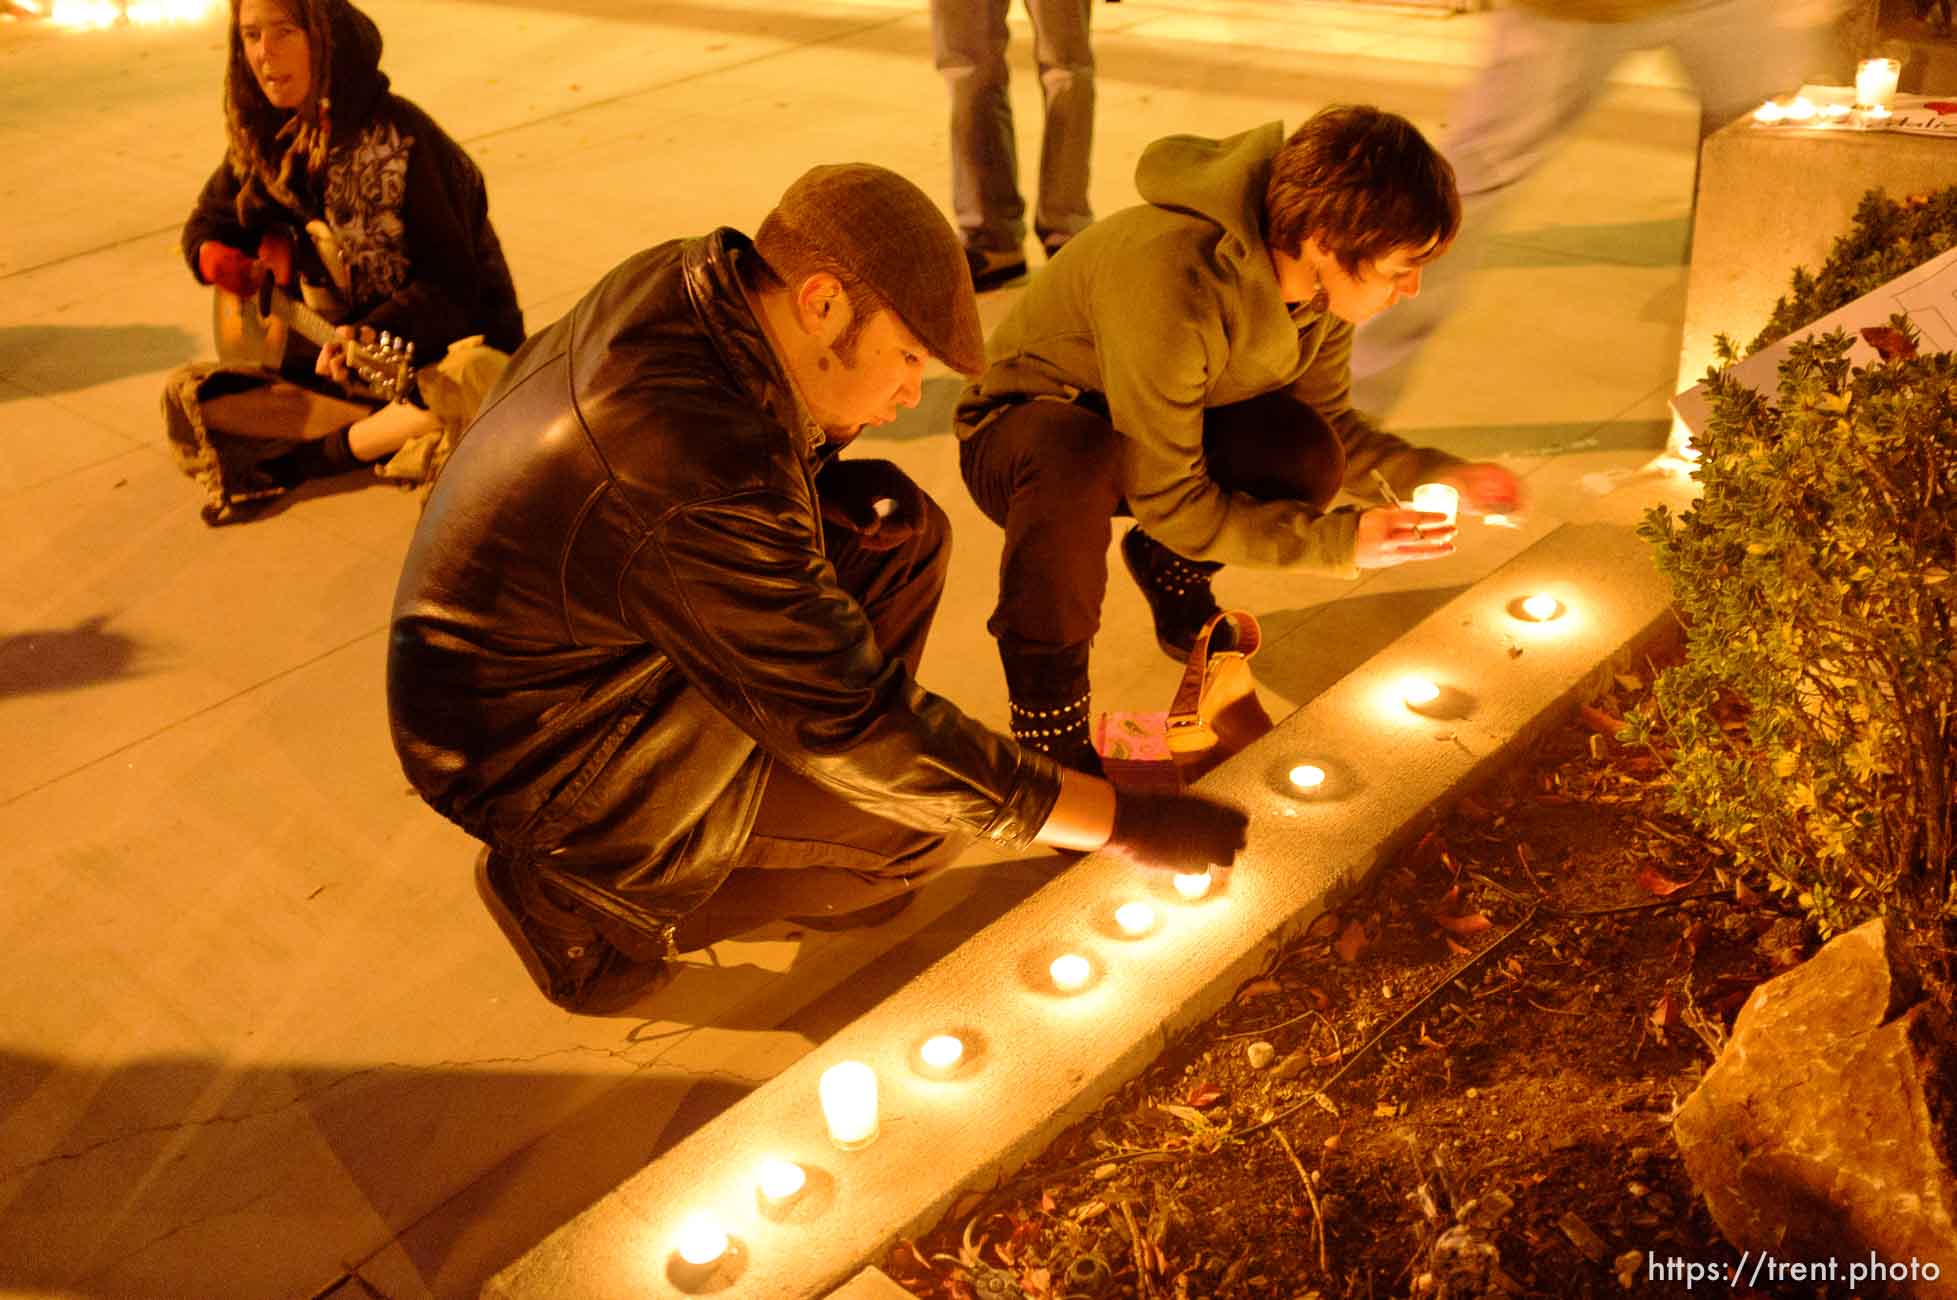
(257, 1036)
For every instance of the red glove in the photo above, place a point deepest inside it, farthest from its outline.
(224, 266)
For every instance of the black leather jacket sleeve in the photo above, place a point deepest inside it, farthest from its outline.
(739, 594)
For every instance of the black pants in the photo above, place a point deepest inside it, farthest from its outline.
(1049, 473)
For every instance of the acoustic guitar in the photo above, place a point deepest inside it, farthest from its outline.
(257, 329)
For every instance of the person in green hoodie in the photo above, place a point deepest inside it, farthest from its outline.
(1186, 362)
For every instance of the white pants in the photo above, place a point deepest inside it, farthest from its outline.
(969, 40)
(1541, 76)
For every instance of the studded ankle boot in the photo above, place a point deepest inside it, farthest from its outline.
(1050, 710)
(1178, 591)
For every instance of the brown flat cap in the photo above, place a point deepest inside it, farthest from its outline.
(890, 235)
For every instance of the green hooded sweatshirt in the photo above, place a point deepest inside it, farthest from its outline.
(1171, 307)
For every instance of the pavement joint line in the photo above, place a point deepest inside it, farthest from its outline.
(192, 716)
(1045, 1061)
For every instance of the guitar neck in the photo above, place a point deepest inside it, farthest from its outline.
(315, 327)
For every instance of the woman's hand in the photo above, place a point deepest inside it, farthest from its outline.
(332, 360)
(1486, 489)
(1390, 535)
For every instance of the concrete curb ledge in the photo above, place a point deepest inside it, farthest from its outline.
(1044, 1059)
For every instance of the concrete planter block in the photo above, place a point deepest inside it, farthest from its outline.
(1824, 1129)
(1044, 1060)
(1770, 201)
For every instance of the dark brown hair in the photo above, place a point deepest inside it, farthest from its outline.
(791, 257)
(1363, 182)
(265, 144)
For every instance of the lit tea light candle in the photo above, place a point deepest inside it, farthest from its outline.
(1307, 776)
(1875, 82)
(1836, 111)
(1070, 972)
(780, 1181)
(1437, 498)
(1192, 884)
(1769, 113)
(849, 1103)
(1801, 109)
(942, 1052)
(1542, 607)
(701, 1240)
(1417, 691)
(1135, 918)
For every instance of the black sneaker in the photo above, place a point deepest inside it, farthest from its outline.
(1177, 591)
(994, 268)
(569, 961)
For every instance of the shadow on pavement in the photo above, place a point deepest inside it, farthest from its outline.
(91, 354)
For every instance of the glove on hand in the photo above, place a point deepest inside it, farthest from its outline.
(850, 492)
(1181, 832)
(227, 268)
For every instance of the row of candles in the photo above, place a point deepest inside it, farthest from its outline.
(1875, 89)
(848, 1091)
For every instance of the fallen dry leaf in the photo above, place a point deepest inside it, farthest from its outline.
(1657, 883)
(1472, 923)
(1473, 808)
(1258, 988)
(1352, 941)
(1666, 1014)
(1205, 1094)
(1597, 720)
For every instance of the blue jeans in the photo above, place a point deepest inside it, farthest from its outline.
(969, 42)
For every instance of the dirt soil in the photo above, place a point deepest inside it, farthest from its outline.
(1459, 1084)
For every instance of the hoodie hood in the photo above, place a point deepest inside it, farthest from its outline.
(1221, 181)
(355, 82)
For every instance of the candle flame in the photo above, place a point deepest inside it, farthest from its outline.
(1070, 972)
(942, 1052)
(701, 1239)
(1417, 691)
(1134, 918)
(1192, 884)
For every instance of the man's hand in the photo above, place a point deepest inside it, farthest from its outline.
(1390, 535)
(1486, 489)
(1177, 832)
(871, 498)
(227, 268)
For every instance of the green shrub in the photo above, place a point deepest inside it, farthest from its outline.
(1810, 725)
(1888, 238)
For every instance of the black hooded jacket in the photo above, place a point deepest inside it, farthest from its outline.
(404, 201)
(616, 614)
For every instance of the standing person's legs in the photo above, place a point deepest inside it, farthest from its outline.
(1065, 54)
(1048, 473)
(969, 42)
(1742, 52)
(1272, 447)
(1540, 75)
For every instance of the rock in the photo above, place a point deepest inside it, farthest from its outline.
(1260, 1055)
(1486, 1210)
(1583, 1237)
(1823, 1128)
(1292, 1065)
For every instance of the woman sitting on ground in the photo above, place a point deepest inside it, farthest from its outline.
(388, 225)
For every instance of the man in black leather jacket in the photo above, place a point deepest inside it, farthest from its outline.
(656, 644)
